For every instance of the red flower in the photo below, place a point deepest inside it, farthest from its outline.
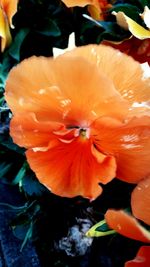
(141, 53)
(142, 258)
(83, 117)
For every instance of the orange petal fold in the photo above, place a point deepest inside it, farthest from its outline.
(131, 85)
(54, 92)
(28, 132)
(70, 169)
(129, 142)
(126, 225)
(142, 258)
(140, 201)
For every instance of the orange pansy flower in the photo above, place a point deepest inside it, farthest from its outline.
(96, 8)
(142, 258)
(8, 9)
(82, 117)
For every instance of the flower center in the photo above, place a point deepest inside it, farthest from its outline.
(83, 133)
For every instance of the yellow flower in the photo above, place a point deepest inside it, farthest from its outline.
(139, 39)
(7, 10)
(136, 29)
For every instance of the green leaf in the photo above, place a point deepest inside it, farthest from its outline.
(15, 208)
(20, 174)
(111, 30)
(31, 186)
(144, 3)
(5, 167)
(20, 231)
(130, 10)
(14, 50)
(49, 28)
(8, 142)
(28, 236)
(4, 69)
(100, 229)
(23, 224)
(23, 232)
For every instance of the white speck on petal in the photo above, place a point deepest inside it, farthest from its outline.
(42, 91)
(21, 101)
(141, 104)
(94, 113)
(127, 93)
(139, 188)
(119, 53)
(54, 88)
(65, 102)
(130, 138)
(130, 146)
(119, 226)
(41, 149)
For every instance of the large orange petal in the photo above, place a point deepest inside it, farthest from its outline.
(140, 201)
(142, 258)
(63, 91)
(71, 169)
(127, 75)
(126, 225)
(129, 142)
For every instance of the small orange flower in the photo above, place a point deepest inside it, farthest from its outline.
(96, 8)
(8, 9)
(129, 226)
(126, 224)
(82, 117)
